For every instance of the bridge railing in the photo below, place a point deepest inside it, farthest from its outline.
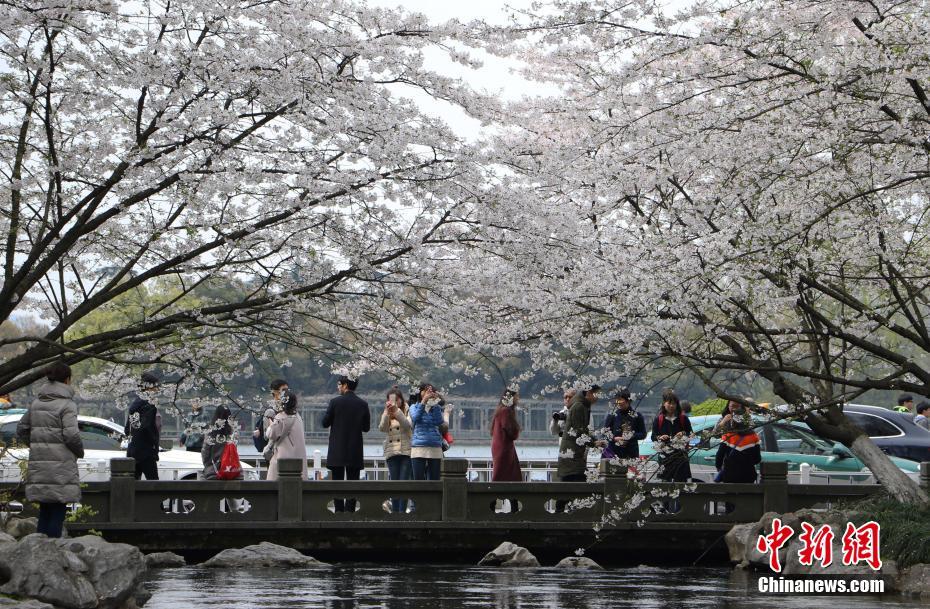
(124, 501)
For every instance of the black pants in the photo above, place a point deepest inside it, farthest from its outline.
(344, 473)
(51, 518)
(148, 467)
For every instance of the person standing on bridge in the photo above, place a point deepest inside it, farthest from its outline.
(143, 427)
(740, 448)
(214, 443)
(348, 418)
(195, 426)
(576, 439)
(50, 430)
(626, 427)
(504, 432)
(557, 423)
(426, 446)
(396, 423)
(671, 429)
(286, 437)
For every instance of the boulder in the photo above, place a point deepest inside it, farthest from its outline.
(740, 540)
(263, 555)
(20, 527)
(82, 573)
(578, 562)
(914, 581)
(12, 603)
(164, 560)
(116, 570)
(36, 567)
(509, 555)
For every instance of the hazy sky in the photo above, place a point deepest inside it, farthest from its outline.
(496, 76)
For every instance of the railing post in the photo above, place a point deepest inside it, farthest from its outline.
(616, 484)
(925, 476)
(122, 489)
(774, 486)
(454, 489)
(290, 489)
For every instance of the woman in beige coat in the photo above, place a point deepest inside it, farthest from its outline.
(395, 422)
(286, 436)
(50, 429)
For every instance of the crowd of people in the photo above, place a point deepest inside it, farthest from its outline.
(415, 428)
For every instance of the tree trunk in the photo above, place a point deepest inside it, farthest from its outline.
(831, 423)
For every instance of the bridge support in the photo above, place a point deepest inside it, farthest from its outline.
(122, 490)
(454, 489)
(774, 486)
(290, 491)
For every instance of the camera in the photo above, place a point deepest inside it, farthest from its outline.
(559, 415)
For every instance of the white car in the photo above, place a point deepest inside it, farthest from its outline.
(103, 440)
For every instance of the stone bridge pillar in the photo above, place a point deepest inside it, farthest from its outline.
(122, 489)
(454, 489)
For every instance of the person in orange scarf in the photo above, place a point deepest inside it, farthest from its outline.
(740, 448)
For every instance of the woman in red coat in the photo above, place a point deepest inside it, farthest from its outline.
(504, 431)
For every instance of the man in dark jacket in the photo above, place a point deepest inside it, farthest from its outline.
(348, 417)
(143, 427)
(573, 455)
(627, 428)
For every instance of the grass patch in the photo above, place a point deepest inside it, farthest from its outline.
(905, 534)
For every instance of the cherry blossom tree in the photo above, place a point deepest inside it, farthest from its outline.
(732, 187)
(243, 172)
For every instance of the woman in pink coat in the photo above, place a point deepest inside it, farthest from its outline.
(286, 436)
(504, 432)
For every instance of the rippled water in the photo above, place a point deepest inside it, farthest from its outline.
(429, 586)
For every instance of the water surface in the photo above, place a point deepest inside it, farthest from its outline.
(430, 586)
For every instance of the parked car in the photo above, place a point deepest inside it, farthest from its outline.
(782, 441)
(893, 432)
(103, 440)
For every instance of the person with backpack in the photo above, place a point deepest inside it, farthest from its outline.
(143, 428)
(286, 438)
(626, 427)
(50, 429)
(279, 395)
(219, 453)
(669, 429)
(740, 449)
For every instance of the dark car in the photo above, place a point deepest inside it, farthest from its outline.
(894, 432)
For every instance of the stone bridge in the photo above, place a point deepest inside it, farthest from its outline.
(452, 519)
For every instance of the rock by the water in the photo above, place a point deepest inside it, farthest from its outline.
(509, 555)
(742, 541)
(914, 581)
(738, 542)
(20, 527)
(578, 562)
(12, 603)
(83, 573)
(163, 560)
(117, 570)
(262, 555)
